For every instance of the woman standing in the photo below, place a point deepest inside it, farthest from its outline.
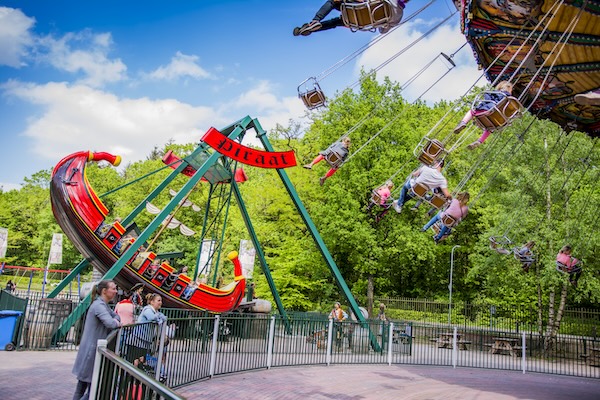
(99, 322)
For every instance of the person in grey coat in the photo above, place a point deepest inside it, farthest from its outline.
(99, 322)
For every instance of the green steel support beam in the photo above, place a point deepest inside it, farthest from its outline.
(262, 135)
(206, 213)
(260, 252)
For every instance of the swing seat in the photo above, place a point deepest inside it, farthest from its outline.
(420, 190)
(314, 98)
(376, 200)
(437, 200)
(436, 229)
(448, 220)
(523, 258)
(499, 116)
(311, 94)
(430, 151)
(573, 269)
(334, 159)
(366, 16)
(501, 244)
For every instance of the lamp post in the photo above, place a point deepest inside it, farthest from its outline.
(450, 284)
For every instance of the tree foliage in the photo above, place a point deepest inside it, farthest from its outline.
(530, 182)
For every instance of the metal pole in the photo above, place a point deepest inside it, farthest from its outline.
(450, 285)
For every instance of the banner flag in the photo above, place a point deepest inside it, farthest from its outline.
(3, 242)
(56, 249)
(206, 255)
(247, 256)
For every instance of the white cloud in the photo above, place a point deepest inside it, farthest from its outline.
(15, 36)
(269, 109)
(446, 38)
(181, 65)
(77, 117)
(83, 52)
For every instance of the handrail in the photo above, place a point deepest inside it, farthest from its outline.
(129, 370)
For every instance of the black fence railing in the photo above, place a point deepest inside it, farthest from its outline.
(202, 347)
(575, 321)
(115, 378)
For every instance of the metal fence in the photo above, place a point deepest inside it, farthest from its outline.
(115, 378)
(202, 347)
(575, 321)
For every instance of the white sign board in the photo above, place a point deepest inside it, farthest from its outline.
(207, 252)
(56, 248)
(3, 242)
(247, 256)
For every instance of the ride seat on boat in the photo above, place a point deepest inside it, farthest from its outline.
(143, 261)
(113, 235)
(162, 274)
(367, 15)
(499, 115)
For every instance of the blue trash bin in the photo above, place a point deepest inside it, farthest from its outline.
(8, 322)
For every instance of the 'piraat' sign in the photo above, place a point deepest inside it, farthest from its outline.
(246, 155)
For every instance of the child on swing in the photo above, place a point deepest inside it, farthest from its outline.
(490, 99)
(571, 264)
(338, 148)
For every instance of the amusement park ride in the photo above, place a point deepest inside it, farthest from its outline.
(81, 214)
(546, 49)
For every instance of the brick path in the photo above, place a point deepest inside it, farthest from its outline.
(47, 376)
(348, 382)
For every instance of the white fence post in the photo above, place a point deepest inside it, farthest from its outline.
(96, 373)
(162, 329)
(329, 337)
(390, 343)
(270, 343)
(454, 347)
(524, 352)
(213, 351)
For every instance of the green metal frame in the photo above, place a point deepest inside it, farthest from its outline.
(262, 135)
(233, 132)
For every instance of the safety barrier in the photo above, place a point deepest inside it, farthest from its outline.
(115, 378)
(200, 348)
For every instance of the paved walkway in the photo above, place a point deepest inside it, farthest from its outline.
(353, 382)
(47, 376)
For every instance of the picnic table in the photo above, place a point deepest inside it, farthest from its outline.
(593, 357)
(445, 341)
(504, 345)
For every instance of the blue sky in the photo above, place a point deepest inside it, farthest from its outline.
(126, 76)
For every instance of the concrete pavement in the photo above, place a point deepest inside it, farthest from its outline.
(46, 375)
